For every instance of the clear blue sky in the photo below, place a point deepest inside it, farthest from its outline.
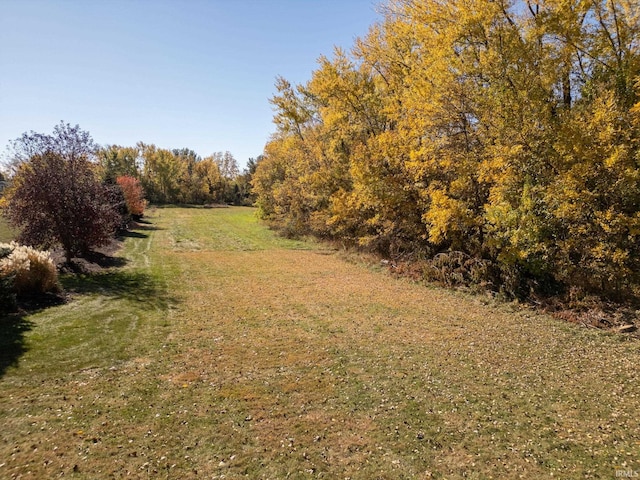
(180, 73)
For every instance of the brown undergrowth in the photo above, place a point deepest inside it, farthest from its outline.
(573, 306)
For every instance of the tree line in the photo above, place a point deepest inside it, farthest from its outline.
(497, 140)
(179, 175)
(65, 190)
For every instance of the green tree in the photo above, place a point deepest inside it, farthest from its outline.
(116, 161)
(229, 171)
(212, 181)
(189, 183)
(246, 195)
(162, 173)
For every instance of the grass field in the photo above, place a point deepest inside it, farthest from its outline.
(222, 351)
(6, 233)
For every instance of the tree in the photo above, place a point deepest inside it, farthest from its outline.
(70, 142)
(229, 171)
(133, 195)
(162, 173)
(212, 184)
(227, 164)
(243, 181)
(116, 161)
(190, 185)
(55, 197)
(182, 176)
(54, 200)
(504, 130)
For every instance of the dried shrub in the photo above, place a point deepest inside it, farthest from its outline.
(33, 271)
(457, 268)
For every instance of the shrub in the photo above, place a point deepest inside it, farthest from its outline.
(457, 268)
(32, 270)
(7, 293)
(119, 205)
(133, 195)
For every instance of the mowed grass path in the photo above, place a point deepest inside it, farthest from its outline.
(223, 351)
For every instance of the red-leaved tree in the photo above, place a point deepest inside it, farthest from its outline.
(133, 195)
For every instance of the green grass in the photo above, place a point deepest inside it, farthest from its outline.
(223, 351)
(6, 232)
(234, 229)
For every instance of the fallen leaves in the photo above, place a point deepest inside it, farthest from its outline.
(283, 362)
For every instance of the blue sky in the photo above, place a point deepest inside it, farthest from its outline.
(189, 73)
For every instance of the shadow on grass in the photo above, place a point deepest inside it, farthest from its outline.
(105, 260)
(12, 342)
(144, 225)
(133, 234)
(13, 327)
(132, 286)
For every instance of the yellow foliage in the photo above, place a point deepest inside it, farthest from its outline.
(508, 131)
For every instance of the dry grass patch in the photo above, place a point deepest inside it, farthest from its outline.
(268, 360)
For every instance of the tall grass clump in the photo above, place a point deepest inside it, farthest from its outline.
(31, 270)
(7, 294)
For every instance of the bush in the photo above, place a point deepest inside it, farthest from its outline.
(7, 293)
(133, 195)
(457, 268)
(31, 271)
(119, 205)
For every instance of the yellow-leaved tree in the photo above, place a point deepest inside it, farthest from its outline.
(505, 131)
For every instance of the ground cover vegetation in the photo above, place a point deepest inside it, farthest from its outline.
(220, 350)
(489, 142)
(471, 142)
(66, 192)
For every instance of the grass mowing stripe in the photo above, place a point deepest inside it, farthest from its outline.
(254, 356)
(234, 229)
